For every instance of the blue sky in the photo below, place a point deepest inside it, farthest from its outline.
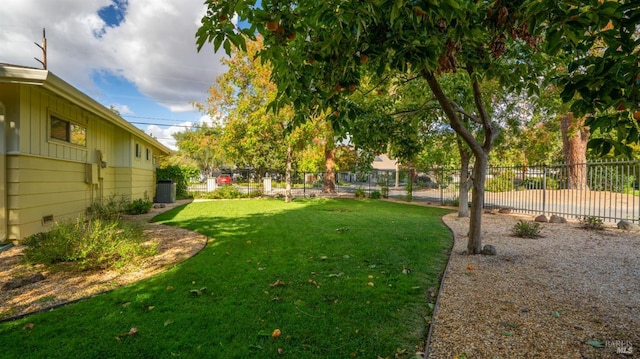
(136, 55)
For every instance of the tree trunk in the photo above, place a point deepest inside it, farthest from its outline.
(474, 245)
(287, 190)
(480, 150)
(465, 180)
(329, 183)
(575, 136)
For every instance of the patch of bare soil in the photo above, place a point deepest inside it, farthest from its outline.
(174, 245)
(572, 293)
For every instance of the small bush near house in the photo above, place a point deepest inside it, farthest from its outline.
(139, 206)
(113, 207)
(88, 245)
(591, 223)
(525, 229)
(375, 195)
(109, 209)
(360, 193)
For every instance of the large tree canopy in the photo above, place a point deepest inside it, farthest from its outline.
(322, 50)
(600, 43)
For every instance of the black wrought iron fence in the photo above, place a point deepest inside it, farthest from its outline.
(607, 190)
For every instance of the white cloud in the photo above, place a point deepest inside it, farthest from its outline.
(123, 109)
(153, 47)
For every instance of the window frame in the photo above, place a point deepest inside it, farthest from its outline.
(67, 129)
(137, 150)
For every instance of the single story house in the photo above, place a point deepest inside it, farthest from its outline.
(61, 151)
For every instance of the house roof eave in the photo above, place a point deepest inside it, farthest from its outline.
(49, 81)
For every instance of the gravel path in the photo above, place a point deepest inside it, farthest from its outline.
(558, 296)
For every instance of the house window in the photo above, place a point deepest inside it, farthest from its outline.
(138, 151)
(148, 154)
(64, 130)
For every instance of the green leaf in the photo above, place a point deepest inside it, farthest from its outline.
(596, 343)
(555, 314)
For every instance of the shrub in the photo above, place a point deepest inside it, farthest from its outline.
(139, 206)
(525, 229)
(87, 245)
(375, 194)
(502, 183)
(109, 209)
(591, 222)
(536, 183)
(255, 193)
(112, 208)
(227, 192)
(360, 193)
(455, 202)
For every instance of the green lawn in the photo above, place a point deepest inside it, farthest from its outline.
(338, 278)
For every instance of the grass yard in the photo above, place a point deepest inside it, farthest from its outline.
(337, 278)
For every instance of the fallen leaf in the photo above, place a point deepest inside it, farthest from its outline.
(469, 267)
(249, 242)
(151, 307)
(507, 259)
(370, 284)
(370, 276)
(280, 350)
(126, 304)
(277, 283)
(276, 333)
(276, 298)
(28, 326)
(596, 343)
(167, 322)
(133, 331)
(311, 281)
(169, 287)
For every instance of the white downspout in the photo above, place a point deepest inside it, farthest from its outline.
(4, 217)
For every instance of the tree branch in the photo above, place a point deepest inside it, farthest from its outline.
(452, 115)
(490, 131)
(459, 108)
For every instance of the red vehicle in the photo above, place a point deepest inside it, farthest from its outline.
(224, 179)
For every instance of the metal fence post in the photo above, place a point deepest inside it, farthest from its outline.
(441, 186)
(544, 188)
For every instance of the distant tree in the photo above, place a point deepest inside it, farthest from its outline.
(202, 145)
